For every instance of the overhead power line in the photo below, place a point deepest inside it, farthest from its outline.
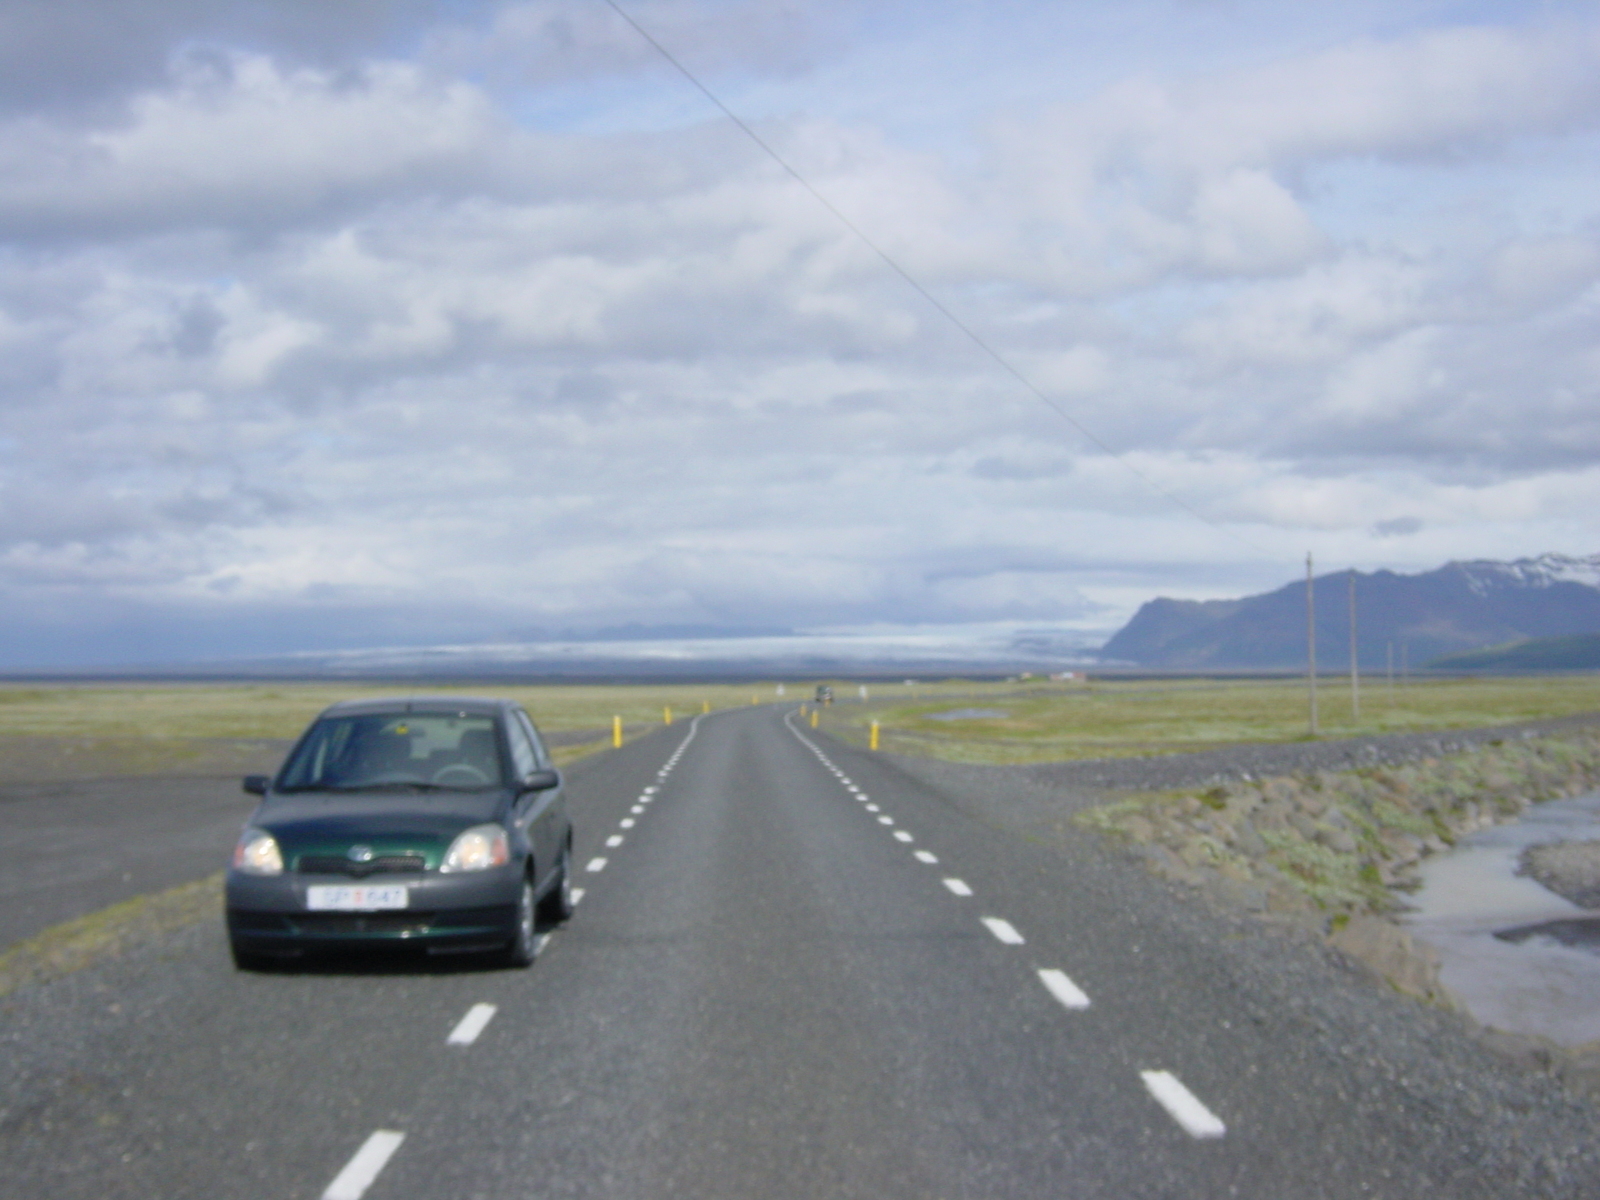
(916, 285)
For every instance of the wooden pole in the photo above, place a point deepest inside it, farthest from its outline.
(1311, 644)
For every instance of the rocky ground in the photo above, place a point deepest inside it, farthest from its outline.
(1569, 869)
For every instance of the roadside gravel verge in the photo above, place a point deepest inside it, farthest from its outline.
(1512, 1112)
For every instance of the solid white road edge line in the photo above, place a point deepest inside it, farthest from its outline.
(926, 856)
(361, 1170)
(1003, 930)
(1197, 1120)
(1062, 988)
(471, 1025)
(596, 864)
(958, 886)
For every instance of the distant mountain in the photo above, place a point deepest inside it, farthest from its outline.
(1456, 608)
(1581, 652)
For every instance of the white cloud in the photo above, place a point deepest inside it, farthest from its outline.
(365, 336)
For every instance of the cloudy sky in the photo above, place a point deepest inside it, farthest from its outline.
(398, 322)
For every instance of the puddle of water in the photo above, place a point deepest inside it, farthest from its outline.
(1520, 957)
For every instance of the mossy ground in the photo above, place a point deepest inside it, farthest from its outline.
(1059, 722)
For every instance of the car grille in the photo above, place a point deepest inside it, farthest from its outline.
(338, 864)
(338, 924)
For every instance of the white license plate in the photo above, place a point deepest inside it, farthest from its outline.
(356, 897)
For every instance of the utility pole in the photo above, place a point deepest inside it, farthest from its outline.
(1391, 670)
(1355, 675)
(1311, 643)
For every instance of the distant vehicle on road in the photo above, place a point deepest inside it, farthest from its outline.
(425, 824)
(824, 694)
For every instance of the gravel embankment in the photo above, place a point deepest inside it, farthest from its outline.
(1163, 772)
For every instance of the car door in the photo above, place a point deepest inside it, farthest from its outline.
(526, 810)
(553, 813)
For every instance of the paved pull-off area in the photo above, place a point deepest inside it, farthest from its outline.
(797, 970)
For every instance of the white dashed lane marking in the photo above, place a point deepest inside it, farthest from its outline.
(358, 1174)
(596, 864)
(470, 1026)
(577, 894)
(1003, 930)
(625, 823)
(1197, 1120)
(1062, 988)
(614, 840)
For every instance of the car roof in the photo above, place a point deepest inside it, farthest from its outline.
(477, 706)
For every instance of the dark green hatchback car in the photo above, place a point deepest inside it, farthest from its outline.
(422, 824)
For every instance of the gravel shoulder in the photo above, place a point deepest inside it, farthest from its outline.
(1507, 1112)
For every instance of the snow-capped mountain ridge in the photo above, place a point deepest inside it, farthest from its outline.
(1543, 571)
(1461, 606)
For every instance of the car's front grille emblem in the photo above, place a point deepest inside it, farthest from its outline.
(360, 854)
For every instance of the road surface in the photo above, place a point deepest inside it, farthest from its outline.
(796, 970)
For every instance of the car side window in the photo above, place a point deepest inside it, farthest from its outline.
(523, 758)
(538, 743)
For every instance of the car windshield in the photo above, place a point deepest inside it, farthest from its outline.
(409, 751)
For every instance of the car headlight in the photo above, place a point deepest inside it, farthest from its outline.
(478, 849)
(257, 853)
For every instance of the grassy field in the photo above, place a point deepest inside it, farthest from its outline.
(81, 730)
(84, 730)
(1057, 722)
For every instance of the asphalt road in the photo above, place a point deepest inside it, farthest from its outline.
(796, 971)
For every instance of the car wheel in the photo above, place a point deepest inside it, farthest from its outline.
(521, 951)
(556, 906)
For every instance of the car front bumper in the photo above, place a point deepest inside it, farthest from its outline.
(445, 913)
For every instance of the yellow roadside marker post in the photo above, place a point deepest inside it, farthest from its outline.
(616, 733)
(705, 706)
(666, 715)
(874, 744)
(813, 718)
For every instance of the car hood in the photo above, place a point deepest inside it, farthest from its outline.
(387, 821)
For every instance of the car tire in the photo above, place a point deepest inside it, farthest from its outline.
(556, 906)
(524, 942)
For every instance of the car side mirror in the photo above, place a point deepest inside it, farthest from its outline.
(256, 785)
(541, 781)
